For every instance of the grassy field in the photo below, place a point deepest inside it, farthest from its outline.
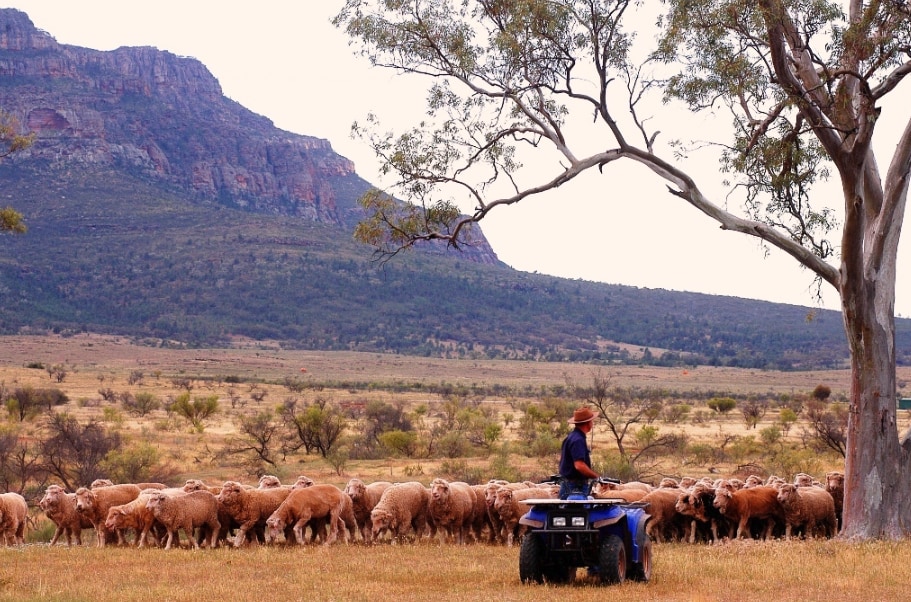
(735, 571)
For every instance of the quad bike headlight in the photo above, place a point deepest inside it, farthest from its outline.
(559, 521)
(578, 521)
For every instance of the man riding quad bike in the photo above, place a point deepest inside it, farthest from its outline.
(605, 535)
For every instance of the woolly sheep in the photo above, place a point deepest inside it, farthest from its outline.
(665, 521)
(94, 504)
(451, 508)
(510, 505)
(400, 508)
(308, 504)
(249, 507)
(835, 485)
(364, 498)
(490, 498)
(807, 507)
(13, 515)
(268, 481)
(135, 515)
(697, 503)
(60, 507)
(752, 503)
(187, 512)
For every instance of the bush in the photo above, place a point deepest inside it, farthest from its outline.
(721, 405)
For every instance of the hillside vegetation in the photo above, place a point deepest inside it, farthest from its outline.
(111, 253)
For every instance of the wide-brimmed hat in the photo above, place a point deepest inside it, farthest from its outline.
(582, 415)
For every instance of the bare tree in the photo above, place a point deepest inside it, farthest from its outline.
(73, 451)
(804, 84)
(258, 438)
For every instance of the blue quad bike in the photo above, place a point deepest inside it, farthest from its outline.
(605, 535)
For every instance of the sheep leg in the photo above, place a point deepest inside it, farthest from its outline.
(188, 530)
(167, 546)
(693, 531)
(56, 536)
(334, 519)
(299, 528)
(241, 536)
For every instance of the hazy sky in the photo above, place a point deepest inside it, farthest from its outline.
(283, 59)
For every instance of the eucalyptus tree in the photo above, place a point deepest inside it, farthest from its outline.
(804, 83)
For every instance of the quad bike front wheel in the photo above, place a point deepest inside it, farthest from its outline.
(531, 559)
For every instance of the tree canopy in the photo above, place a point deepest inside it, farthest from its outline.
(802, 81)
(11, 141)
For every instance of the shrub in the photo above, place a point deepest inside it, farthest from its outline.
(721, 405)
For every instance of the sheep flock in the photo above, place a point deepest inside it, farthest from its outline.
(234, 514)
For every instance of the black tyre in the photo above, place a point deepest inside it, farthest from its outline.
(642, 571)
(531, 559)
(612, 565)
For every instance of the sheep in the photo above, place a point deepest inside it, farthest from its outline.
(60, 507)
(363, 499)
(510, 506)
(249, 507)
(493, 517)
(752, 503)
(452, 508)
(668, 483)
(309, 503)
(13, 515)
(401, 507)
(752, 481)
(268, 481)
(94, 504)
(187, 511)
(698, 504)
(802, 479)
(664, 521)
(807, 507)
(627, 495)
(480, 517)
(134, 515)
(835, 485)
(301, 482)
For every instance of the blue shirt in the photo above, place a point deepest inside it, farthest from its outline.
(574, 448)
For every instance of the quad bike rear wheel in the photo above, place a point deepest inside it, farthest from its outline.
(612, 565)
(642, 570)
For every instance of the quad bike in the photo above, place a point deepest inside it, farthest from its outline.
(605, 535)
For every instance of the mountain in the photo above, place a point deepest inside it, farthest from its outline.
(160, 209)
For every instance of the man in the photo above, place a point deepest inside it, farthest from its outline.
(575, 460)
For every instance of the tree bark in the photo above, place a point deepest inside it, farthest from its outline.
(877, 503)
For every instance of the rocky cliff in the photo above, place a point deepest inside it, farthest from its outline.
(164, 117)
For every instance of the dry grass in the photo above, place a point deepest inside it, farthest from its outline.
(784, 571)
(731, 572)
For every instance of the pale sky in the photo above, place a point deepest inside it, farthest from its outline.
(284, 60)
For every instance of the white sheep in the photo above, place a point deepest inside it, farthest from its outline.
(364, 499)
(60, 507)
(400, 508)
(451, 508)
(807, 507)
(249, 508)
(94, 504)
(13, 515)
(187, 512)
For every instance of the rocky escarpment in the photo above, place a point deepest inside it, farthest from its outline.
(165, 117)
